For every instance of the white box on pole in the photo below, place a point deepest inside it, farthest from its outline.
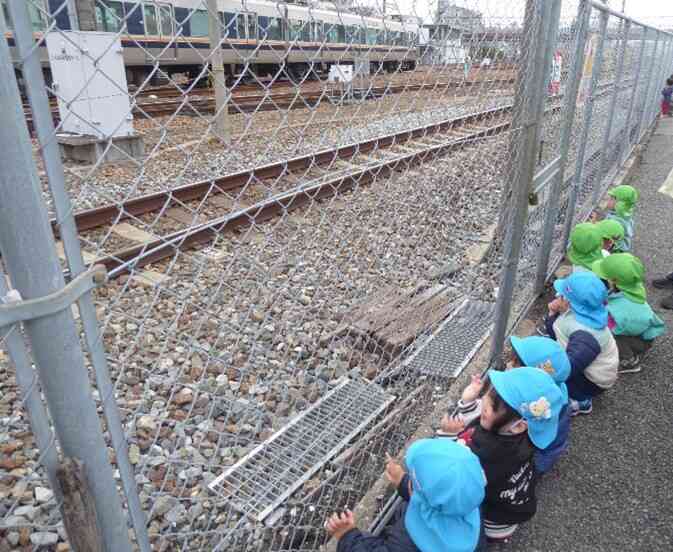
(92, 98)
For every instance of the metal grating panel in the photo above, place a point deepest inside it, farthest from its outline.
(265, 477)
(455, 342)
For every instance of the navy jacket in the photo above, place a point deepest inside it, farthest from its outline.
(394, 538)
(582, 350)
(582, 347)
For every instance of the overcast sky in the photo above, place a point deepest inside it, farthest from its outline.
(654, 12)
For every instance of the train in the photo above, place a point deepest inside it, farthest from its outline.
(260, 38)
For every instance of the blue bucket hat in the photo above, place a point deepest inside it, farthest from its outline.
(535, 396)
(587, 296)
(448, 489)
(546, 354)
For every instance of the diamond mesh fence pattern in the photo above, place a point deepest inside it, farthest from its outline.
(302, 210)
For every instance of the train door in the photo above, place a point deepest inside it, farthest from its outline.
(160, 29)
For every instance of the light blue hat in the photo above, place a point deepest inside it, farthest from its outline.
(546, 354)
(587, 296)
(535, 396)
(448, 488)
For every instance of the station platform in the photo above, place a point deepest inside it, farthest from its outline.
(614, 488)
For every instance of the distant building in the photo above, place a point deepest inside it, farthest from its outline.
(445, 38)
(457, 18)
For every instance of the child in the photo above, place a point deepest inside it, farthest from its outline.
(442, 494)
(666, 94)
(621, 202)
(585, 247)
(612, 232)
(548, 355)
(630, 318)
(519, 411)
(578, 320)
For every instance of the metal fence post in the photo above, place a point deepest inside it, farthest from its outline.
(625, 151)
(552, 42)
(663, 75)
(654, 102)
(603, 157)
(569, 101)
(44, 127)
(28, 251)
(650, 72)
(527, 117)
(584, 137)
(652, 106)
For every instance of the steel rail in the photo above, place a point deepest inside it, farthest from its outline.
(99, 216)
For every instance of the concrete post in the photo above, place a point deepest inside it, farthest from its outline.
(221, 118)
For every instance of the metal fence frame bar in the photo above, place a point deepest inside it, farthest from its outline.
(30, 258)
(44, 128)
(527, 117)
(664, 69)
(26, 378)
(626, 28)
(625, 151)
(600, 5)
(650, 73)
(588, 116)
(569, 101)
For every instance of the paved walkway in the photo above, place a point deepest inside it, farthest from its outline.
(614, 489)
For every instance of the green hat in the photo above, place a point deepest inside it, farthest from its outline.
(610, 229)
(586, 243)
(626, 197)
(626, 271)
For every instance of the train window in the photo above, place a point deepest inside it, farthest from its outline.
(299, 30)
(240, 25)
(5, 13)
(230, 30)
(270, 28)
(166, 16)
(318, 34)
(341, 34)
(294, 29)
(38, 16)
(110, 16)
(331, 33)
(252, 25)
(151, 21)
(199, 23)
(371, 36)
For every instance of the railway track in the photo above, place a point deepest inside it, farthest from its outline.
(293, 182)
(204, 102)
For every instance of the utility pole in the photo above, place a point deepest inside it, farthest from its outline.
(221, 118)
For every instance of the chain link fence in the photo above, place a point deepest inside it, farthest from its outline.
(238, 276)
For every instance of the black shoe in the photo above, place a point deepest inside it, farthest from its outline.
(630, 365)
(663, 283)
(667, 303)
